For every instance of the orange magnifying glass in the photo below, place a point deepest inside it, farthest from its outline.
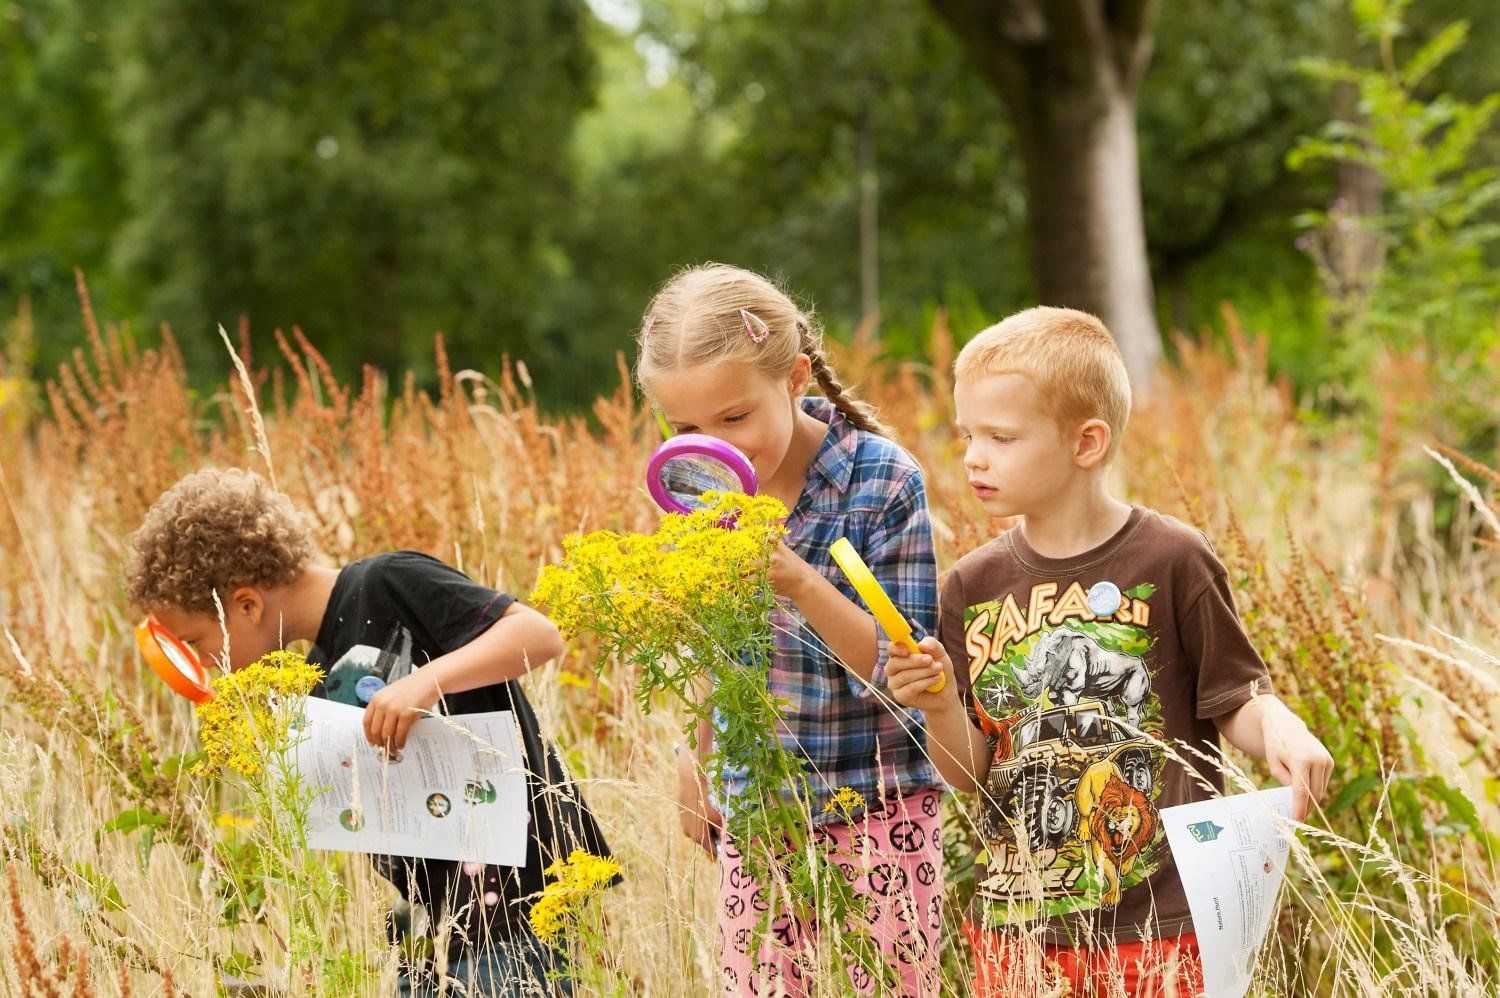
(896, 626)
(173, 660)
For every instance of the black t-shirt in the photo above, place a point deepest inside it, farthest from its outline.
(394, 612)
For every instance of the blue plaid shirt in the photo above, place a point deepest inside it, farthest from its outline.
(850, 734)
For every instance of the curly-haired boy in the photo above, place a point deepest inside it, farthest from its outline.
(223, 555)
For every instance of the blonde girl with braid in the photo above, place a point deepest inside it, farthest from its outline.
(724, 351)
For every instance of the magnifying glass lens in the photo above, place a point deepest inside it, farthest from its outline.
(180, 659)
(685, 467)
(172, 660)
(689, 476)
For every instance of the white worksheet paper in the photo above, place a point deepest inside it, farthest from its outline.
(1231, 853)
(456, 791)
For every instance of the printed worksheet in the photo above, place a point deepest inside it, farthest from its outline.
(1231, 853)
(456, 791)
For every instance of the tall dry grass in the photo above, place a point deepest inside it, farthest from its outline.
(1379, 627)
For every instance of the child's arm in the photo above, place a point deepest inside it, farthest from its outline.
(696, 814)
(517, 642)
(958, 748)
(899, 553)
(1266, 728)
(848, 631)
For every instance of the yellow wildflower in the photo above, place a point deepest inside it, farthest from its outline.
(579, 877)
(667, 586)
(242, 720)
(845, 801)
(230, 821)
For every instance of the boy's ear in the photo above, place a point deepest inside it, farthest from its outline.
(247, 601)
(1092, 443)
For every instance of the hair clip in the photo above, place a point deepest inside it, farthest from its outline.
(646, 326)
(755, 326)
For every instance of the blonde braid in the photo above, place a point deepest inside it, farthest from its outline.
(861, 414)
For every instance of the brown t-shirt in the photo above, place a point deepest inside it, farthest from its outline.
(1081, 670)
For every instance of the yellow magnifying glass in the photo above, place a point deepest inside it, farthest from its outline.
(173, 660)
(891, 620)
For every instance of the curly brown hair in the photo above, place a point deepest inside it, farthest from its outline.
(212, 531)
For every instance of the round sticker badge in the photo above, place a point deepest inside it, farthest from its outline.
(1104, 599)
(367, 687)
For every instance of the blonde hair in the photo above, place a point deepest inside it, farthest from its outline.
(1071, 358)
(696, 318)
(210, 532)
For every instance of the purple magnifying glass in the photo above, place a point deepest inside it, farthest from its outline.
(688, 465)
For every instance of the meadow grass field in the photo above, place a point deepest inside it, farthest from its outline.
(1363, 552)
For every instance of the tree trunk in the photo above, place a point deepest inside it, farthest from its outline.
(1068, 71)
(1088, 236)
(1355, 259)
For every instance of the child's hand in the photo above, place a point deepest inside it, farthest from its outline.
(1296, 757)
(394, 709)
(910, 677)
(789, 573)
(697, 816)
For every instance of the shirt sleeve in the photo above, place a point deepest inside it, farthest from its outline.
(900, 554)
(1230, 672)
(452, 608)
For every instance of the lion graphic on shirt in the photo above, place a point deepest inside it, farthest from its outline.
(1116, 823)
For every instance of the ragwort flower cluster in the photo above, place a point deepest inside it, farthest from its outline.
(579, 877)
(700, 582)
(692, 601)
(242, 722)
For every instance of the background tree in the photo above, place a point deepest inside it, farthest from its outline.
(372, 172)
(525, 180)
(60, 177)
(1069, 72)
(793, 105)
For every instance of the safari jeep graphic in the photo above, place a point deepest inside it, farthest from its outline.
(1065, 692)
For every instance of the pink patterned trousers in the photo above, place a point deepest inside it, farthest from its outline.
(892, 856)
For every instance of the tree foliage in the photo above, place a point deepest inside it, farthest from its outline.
(523, 176)
(60, 179)
(372, 172)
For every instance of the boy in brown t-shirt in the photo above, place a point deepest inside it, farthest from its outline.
(1094, 635)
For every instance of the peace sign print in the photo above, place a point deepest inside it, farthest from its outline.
(907, 836)
(911, 945)
(887, 879)
(766, 980)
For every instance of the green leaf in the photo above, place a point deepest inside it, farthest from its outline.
(1461, 810)
(143, 846)
(140, 817)
(1329, 70)
(105, 891)
(1144, 591)
(178, 764)
(1352, 791)
(1434, 53)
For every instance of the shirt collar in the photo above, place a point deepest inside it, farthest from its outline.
(834, 462)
